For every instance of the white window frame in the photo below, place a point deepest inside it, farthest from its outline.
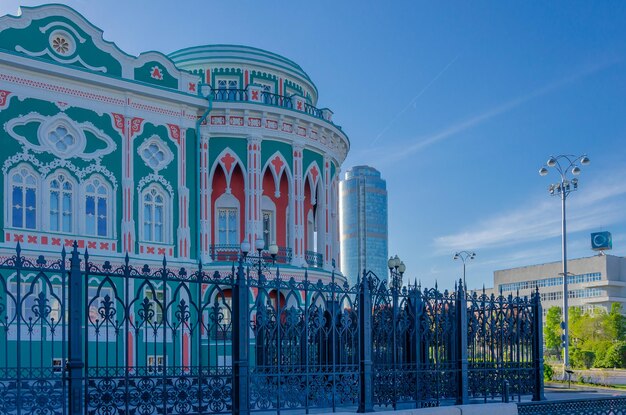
(47, 207)
(159, 313)
(166, 220)
(230, 202)
(228, 80)
(153, 365)
(57, 365)
(9, 184)
(110, 207)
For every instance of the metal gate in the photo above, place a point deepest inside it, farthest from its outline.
(107, 339)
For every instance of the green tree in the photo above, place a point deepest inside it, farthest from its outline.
(552, 330)
(616, 323)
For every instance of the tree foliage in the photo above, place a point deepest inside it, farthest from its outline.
(596, 339)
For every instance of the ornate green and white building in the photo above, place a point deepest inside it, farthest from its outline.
(183, 156)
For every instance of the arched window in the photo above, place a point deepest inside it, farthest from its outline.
(61, 203)
(97, 208)
(155, 211)
(23, 189)
(227, 220)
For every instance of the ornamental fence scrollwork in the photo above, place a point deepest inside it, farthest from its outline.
(79, 337)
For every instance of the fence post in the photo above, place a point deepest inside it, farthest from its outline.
(75, 363)
(366, 374)
(461, 346)
(537, 348)
(241, 399)
(417, 342)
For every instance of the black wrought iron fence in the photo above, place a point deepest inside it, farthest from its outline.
(615, 405)
(104, 339)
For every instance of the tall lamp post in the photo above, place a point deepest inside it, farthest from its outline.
(564, 164)
(464, 256)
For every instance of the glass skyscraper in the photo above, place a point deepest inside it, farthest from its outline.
(363, 223)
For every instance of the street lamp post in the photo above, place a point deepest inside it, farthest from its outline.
(396, 271)
(564, 164)
(464, 256)
(259, 245)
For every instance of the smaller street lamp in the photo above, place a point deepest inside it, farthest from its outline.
(259, 245)
(464, 256)
(396, 269)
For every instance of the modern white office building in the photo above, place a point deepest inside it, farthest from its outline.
(596, 281)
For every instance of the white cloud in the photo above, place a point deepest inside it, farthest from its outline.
(537, 220)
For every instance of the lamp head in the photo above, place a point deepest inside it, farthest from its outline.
(401, 267)
(273, 249)
(396, 261)
(543, 171)
(245, 247)
(585, 160)
(259, 244)
(576, 171)
(456, 256)
(551, 162)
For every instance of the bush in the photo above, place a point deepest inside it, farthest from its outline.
(614, 356)
(548, 372)
(582, 359)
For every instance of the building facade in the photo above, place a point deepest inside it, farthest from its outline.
(153, 160)
(595, 282)
(363, 199)
(183, 156)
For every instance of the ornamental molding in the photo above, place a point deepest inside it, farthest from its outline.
(46, 168)
(60, 135)
(152, 178)
(155, 153)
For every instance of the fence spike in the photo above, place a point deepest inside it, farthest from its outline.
(18, 248)
(164, 262)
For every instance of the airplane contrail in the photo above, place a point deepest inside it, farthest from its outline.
(415, 98)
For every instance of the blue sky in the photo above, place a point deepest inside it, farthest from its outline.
(458, 104)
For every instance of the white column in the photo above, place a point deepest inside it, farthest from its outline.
(298, 198)
(335, 220)
(205, 197)
(183, 232)
(128, 222)
(253, 190)
(325, 222)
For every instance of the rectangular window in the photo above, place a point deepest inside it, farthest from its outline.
(147, 222)
(157, 306)
(18, 206)
(155, 364)
(54, 212)
(268, 228)
(227, 229)
(31, 208)
(90, 213)
(158, 223)
(57, 365)
(67, 212)
(102, 217)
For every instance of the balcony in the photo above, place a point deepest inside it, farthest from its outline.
(230, 253)
(313, 259)
(256, 94)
